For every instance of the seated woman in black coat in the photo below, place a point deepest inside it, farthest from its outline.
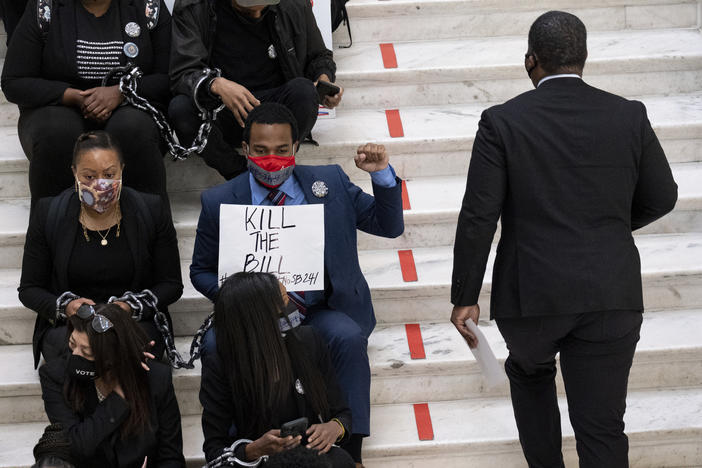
(94, 242)
(258, 379)
(114, 411)
(55, 64)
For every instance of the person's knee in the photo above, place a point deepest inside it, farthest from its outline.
(208, 346)
(519, 367)
(181, 109)
(303, 89)
(53, 127)
(131, 125)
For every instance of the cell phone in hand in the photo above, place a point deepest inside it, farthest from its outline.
(325, 88)
(296, 427)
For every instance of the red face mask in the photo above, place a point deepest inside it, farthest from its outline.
(271, 170)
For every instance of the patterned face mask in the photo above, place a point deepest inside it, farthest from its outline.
(100, 194)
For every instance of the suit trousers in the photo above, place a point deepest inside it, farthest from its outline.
(596, 353)
(299, 95)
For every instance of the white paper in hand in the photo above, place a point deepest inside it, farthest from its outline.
(493, 372)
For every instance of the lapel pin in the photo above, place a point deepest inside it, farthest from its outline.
(132, 29)
(320, 189)
(271, 52)
(131, 50)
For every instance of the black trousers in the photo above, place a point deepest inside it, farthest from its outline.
(48, 134)
(299, 95)
(596, 352)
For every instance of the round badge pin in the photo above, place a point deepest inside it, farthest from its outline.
(320, 189)
(131, 50)
(132, 29)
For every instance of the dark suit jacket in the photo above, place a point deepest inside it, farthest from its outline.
(95, 433)
(38, 69)
(153, 244)
(218, 412)
(573, 170)
(346, 208)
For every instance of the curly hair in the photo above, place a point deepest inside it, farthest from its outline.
(559, 40)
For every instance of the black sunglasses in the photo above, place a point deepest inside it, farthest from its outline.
(100, 323)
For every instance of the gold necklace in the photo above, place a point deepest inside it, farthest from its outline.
(103, 242)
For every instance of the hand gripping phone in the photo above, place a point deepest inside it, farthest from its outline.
(324, 88)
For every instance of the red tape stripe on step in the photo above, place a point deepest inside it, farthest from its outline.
(409, 270)
(405, 197)
(415, 341)
(387, 51)
(425, 431)
(394, 123)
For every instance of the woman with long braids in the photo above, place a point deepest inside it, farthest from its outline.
(258, 379)
(116, 412)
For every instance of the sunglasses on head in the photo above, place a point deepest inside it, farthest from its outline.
(100, 323)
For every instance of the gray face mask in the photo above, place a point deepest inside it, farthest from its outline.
(271, 170)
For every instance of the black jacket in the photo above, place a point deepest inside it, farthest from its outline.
(153, 244)
(573, 170)
(95, 433)
(39, 69)
(194, 27)
(218, 415)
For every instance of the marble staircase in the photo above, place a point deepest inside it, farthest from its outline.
(455, 58)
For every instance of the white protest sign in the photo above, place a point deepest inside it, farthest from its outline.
(287, 241)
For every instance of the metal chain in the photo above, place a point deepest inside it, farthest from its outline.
(61, 302)
(228, 458)
(197, 339)
(128, 77)
(146, 298)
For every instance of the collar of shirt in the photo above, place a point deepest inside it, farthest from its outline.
(553, 77)
(291, 187)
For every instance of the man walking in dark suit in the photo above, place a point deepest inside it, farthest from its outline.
(342, 312)
(572, 170)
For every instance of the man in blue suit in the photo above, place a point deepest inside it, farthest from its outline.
(343, 312)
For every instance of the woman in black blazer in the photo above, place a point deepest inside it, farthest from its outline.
(116, 411)
(259, 379)
(123, 241)
(54, 67)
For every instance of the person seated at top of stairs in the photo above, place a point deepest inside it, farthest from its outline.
(343, 312)
(267, 52)
(257, 379)
(59, 56)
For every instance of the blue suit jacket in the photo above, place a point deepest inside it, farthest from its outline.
(346, 208)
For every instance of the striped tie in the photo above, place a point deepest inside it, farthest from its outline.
(276, 197)
(298, 298)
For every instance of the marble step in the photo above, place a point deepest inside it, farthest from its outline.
(431, 221)
(671, 270)
(664, 429)
(669, 355)
(436, 142)
(373, 21)
(629, 63)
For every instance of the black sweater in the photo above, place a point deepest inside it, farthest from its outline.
(95, 433)
(39, 68)
(218, 414)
